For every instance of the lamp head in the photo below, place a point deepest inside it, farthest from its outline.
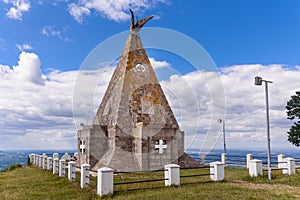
(257, 80)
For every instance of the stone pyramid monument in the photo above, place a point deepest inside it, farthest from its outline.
(134, 128)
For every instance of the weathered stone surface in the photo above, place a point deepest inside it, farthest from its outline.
(134, 94)
(133, 117)
(95, 145)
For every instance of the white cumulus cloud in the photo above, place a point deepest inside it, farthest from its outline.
(24, 46)
(18, 7)
(112, 10)
(28, 68)
(158, 64)
(78, 12)
(52, 31)
(36, 109)
(191, 102)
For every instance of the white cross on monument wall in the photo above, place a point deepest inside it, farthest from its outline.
(160, 146)
(82, 146)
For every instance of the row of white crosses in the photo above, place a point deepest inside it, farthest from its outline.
(160, 146)
(58, 166)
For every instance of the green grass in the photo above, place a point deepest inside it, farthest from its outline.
(35, 183)
(12, 167)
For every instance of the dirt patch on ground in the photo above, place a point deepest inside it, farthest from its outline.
(265, 186)
(280, 189)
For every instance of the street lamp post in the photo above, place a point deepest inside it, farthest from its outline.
(258, 81)
(223, 123)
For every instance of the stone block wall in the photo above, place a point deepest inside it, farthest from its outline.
(96, 144)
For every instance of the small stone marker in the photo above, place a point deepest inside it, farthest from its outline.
(31, 158)
(172, 174)
(55, 155)
(35, 159)
(41, 161)
(255, 168)
(105, 181)
(49, 163)
(217, 171)
(282, 164)
(66, 157)
(85, 175)
(72, 170)
(248, 158)
(280, 160)
(55, 165)
(75, 155)
(223, 158)
(45, 159)
(290, 162)
(62, 168)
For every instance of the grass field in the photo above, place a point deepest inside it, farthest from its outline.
(34, 183)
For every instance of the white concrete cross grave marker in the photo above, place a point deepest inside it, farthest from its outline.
(82, 146)
(160, 146)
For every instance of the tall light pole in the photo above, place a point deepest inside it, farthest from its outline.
(258, 81)
(223, 122)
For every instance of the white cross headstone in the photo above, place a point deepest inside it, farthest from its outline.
(160, 146)
(75, 155)
(82, 146)
(55, 155)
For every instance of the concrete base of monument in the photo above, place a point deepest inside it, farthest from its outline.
(119, 160)
(122, 161)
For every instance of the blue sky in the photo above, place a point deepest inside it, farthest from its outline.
(232, 31)
(44, 43)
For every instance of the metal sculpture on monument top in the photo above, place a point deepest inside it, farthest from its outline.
(134, 128)
(140, 23)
